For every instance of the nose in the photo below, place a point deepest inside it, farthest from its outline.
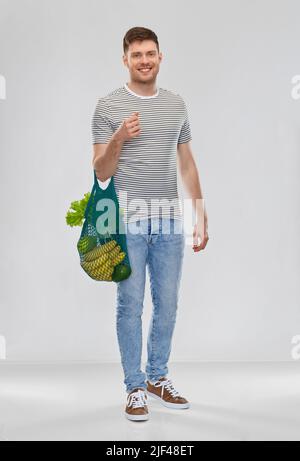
(145, 61)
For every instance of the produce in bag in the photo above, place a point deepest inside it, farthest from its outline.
(102, 256)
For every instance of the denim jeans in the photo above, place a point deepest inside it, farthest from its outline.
(159, 244)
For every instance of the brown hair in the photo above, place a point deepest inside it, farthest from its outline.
(138, 33)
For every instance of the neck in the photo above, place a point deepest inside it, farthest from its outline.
(143, 89)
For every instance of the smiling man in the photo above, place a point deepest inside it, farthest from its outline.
(139, 132)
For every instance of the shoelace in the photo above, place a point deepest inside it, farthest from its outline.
(137, 399)
(167, 384)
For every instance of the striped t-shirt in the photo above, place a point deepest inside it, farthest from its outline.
(147, 166)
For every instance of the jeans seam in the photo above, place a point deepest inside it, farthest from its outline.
(153, 323)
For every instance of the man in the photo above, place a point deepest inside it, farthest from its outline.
(139, 131)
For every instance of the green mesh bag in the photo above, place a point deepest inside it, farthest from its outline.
(102, 244)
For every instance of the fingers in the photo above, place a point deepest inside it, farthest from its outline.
(132, 125)
(133, 117)
(202, 244)
(133, 129)
(133, 120)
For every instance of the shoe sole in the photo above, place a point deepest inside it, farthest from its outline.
(137, 417)
(169, 404)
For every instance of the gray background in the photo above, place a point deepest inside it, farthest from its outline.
(233, 63)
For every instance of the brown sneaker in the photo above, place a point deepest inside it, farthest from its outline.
(136, 406)
(164, 391)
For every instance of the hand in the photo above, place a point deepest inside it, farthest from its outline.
(200, 232)
(129, 128)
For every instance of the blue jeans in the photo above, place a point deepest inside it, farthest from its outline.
(160, 245)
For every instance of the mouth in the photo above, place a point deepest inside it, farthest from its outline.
(145, 70)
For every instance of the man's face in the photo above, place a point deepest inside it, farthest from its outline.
(143, 55)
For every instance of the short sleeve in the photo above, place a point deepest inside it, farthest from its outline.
(185, 134)
(101, 126)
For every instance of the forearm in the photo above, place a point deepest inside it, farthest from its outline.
(191, 183)
(106, 164)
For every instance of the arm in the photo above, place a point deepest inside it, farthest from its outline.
(106, 157)
(190, 179)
